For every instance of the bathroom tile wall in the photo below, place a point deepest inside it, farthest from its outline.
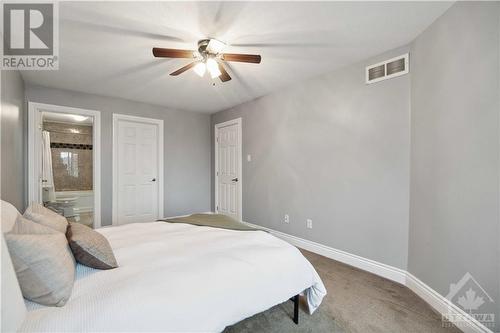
(72, 165)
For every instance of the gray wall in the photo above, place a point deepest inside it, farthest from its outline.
(187, 150)
(454, 219)
(13, 140)
(337, 151)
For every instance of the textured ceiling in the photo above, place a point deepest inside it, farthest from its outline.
(105, 47)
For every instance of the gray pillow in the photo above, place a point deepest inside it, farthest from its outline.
(43, 262)
(90, 248)
(44, 216)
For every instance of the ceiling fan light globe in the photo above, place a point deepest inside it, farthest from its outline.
(200, 69)
(213, 68)
(215, 73)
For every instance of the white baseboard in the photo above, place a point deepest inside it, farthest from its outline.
(372, 266)
(429, 295)
(443, 306)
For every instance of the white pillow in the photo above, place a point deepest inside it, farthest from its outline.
(13, 308)
(9, 216)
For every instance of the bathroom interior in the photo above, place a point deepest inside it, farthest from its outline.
(67, 166)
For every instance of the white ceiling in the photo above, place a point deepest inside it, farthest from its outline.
(105, 47)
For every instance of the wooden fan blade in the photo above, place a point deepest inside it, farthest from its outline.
(224, 77)
(253, 58)
(183, 69)
(172, 53)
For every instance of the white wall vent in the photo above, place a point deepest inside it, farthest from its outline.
(387, 69)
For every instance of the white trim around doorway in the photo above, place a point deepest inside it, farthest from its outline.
(34, 151)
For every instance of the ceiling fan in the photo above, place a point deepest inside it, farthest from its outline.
(208, 57)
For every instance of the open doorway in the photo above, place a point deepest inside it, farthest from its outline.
(64, 163)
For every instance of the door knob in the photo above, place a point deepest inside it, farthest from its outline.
(234, 179)
(153, 180)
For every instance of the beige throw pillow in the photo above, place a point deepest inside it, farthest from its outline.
(43, 262)
(44, 216)
(90, 248)
(25, 226)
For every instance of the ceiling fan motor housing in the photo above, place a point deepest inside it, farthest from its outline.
(202, 47)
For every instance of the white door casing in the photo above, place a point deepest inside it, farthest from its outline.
(137, 169)
(35, 151)
(228, 175)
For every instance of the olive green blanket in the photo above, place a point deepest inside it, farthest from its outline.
(211, 220)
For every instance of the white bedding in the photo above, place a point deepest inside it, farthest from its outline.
(181, 278)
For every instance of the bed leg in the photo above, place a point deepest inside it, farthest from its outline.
(296, 309)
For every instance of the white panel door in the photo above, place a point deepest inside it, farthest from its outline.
(228, 170)
(137, 172)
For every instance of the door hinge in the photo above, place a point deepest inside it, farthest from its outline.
(217, 139)
(217, 173)
(217, 208)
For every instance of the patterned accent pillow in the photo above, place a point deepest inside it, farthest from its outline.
(44, 216)
(43, 262)
(90, 248)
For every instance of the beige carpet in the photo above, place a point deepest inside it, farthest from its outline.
(357, 302)
(279, 320)
(362, 302)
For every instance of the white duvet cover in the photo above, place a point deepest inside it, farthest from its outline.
(181, 278)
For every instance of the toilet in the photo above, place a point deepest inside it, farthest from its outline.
(66, 205)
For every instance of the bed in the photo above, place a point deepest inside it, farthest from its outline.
(181, 278)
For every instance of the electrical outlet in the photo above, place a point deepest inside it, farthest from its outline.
(309, 224)
(287, 218)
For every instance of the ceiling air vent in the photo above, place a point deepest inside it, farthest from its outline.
(387, 69)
